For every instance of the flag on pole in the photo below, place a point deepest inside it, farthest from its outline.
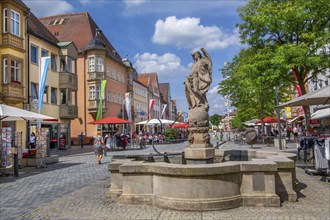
(43, 71)
(128, 105)
(151, 106)
(99, 110)
(164, 108)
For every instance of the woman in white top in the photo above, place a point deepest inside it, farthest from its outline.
(32, 140)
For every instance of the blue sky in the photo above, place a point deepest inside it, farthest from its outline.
(160, 35)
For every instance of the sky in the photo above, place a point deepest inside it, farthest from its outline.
(160, 36)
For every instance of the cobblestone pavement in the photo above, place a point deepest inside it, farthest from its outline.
(77, 187)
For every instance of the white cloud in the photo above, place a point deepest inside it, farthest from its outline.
(216, 102)
(130, 3)
(45, 8)
(166, 65)
(189, 33)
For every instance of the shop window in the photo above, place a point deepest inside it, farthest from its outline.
(5, 71)
(53, 98)
(16, 71)
(34, 54)
(53, 62)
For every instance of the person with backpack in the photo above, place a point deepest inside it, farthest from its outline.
(98, 147)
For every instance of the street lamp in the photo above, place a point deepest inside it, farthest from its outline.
(278, 118)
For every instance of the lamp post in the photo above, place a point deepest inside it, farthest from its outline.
(278, 119)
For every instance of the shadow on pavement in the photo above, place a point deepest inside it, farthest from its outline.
(30, 171)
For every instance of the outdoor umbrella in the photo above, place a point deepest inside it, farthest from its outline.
(155, 121)
(180, 125)
(110, 120)
(251, 122)
(9, 113)
(321, 113)
(317, 97)
(270, 120)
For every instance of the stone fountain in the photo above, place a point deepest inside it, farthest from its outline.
(205, 179)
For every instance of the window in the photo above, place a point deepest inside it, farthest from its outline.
(91, 64)
(113, 73)
(98, 92)
(45, 95)
(62, 64)
(34, 54)
(92, 92)
(63, 96)
(99, 64)
(73, 97)
(53, 94)
(44, 53)
(5, 71)
(53, 64)
(108, 70)
(108, 96)
(34, 91)
(71, 65)
(69, 97)
(5, 20)
(15, 71)
(14, 23)
(114, 98)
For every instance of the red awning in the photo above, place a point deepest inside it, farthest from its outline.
(270, 120)
(110, 120)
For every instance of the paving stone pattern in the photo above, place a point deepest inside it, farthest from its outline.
(77, 187)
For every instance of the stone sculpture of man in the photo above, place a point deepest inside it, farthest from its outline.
(198, 82)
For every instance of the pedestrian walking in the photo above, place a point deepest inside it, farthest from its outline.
(98, 147)
(107, 141)
(81, 139)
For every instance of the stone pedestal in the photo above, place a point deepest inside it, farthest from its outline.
(199, 150)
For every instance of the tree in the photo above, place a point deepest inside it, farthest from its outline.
(250, 81)
(298, 33)
(215, 119)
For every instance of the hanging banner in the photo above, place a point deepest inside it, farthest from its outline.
(164, 108)
(99, 110)
(151, 106)
(128, 106)
(43, 71)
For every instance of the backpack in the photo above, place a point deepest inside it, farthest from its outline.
(98, 144)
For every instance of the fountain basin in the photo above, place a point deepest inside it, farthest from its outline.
(263, 179)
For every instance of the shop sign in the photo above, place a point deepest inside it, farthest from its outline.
(314, 121)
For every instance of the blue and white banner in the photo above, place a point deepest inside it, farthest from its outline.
(43, 71)
(128, 106)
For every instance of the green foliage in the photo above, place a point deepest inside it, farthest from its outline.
(215, 119)
(280, 36)
(171, 133)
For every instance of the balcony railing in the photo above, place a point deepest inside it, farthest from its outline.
(68, 81)
(13, 93)
(12, 40)
(93, 106)
(95, 76)
(68, 112)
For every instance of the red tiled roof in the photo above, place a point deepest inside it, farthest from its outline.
(79, 28)
(144, 79)
(36, 28)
